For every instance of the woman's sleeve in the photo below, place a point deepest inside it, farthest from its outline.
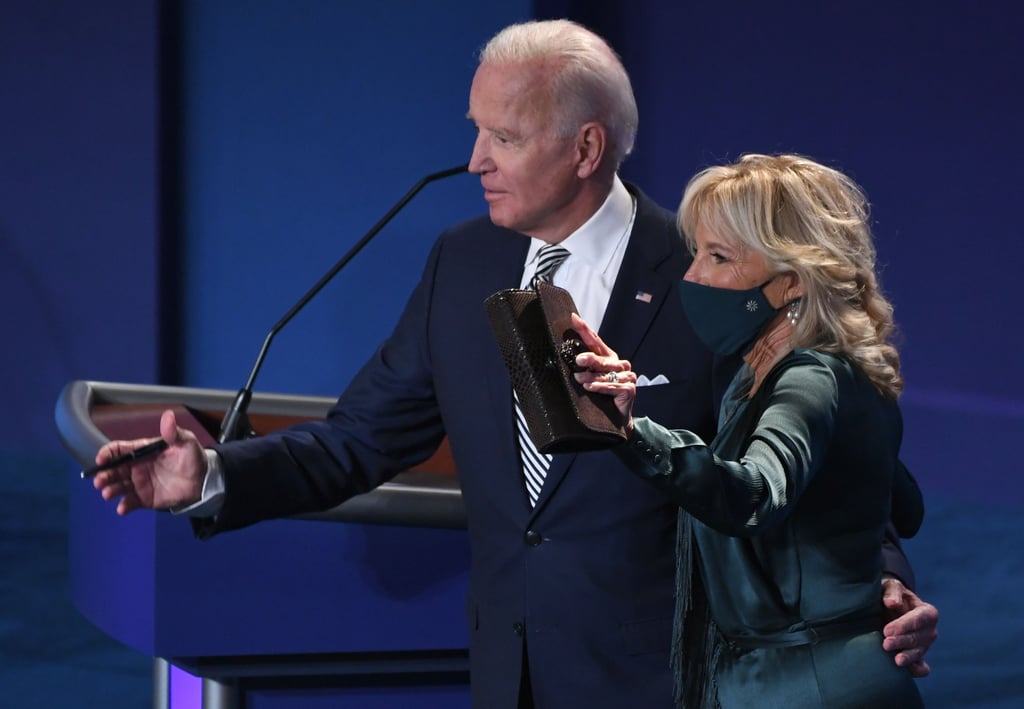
(778, 460)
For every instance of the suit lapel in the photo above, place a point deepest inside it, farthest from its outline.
(505, 270)
(642, 285)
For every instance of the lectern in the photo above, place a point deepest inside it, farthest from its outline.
(361, 606)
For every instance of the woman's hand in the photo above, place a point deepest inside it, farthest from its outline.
(606, 373)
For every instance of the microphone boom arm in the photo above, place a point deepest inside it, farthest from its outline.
(235, 424)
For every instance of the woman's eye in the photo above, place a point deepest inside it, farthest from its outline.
(718, 258)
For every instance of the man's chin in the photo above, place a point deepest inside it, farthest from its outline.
(500, 218)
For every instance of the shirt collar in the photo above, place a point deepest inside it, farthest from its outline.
(595, 242)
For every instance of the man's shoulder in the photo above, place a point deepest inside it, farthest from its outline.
(656, 237)
(476, 230)
(478, 237)
(479, 221)
(654, 221)
(472, 226)
(647, 208)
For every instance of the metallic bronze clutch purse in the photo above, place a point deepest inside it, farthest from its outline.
(534, 332)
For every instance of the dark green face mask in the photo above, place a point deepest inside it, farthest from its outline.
(725, 320)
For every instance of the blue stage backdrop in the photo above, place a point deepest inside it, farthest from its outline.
(78, 205)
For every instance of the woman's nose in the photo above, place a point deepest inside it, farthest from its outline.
(694, 274)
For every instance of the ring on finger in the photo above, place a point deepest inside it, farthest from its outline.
(613, 377)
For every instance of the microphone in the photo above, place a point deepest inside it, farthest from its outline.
(235, 424)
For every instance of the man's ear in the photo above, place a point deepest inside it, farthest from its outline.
(591, 144)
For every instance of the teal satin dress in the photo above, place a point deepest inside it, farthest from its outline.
(789, 505)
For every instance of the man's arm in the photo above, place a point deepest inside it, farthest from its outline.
(894, 561)
(907, 503)
(913, 623)
(386, 421)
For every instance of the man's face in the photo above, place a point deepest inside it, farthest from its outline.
(529, 175)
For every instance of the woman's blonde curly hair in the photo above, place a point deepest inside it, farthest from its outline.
(811, 220)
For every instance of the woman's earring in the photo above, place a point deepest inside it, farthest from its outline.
(793, 312)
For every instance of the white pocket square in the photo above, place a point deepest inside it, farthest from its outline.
(643, 381)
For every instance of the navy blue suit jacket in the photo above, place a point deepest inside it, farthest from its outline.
(593, 601)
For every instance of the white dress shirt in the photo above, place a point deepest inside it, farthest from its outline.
(595, 254)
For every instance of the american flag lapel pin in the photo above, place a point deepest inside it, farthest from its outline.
(643, 296)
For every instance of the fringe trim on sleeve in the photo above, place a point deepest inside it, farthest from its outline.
(695, 638)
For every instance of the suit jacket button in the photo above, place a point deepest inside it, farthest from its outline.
(518, 628)
(533, 538)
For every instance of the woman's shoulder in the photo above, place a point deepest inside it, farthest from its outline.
(809, 369)
(804, 360)
(808, 364)
(817, 359)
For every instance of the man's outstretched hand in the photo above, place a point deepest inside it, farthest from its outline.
(172, 479)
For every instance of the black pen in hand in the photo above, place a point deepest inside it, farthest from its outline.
(145, 451)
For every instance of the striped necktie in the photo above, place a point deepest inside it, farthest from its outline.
(535, 463)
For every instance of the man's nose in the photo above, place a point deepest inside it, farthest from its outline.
(479, 161)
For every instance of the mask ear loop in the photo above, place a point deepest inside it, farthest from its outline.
(792, 307)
